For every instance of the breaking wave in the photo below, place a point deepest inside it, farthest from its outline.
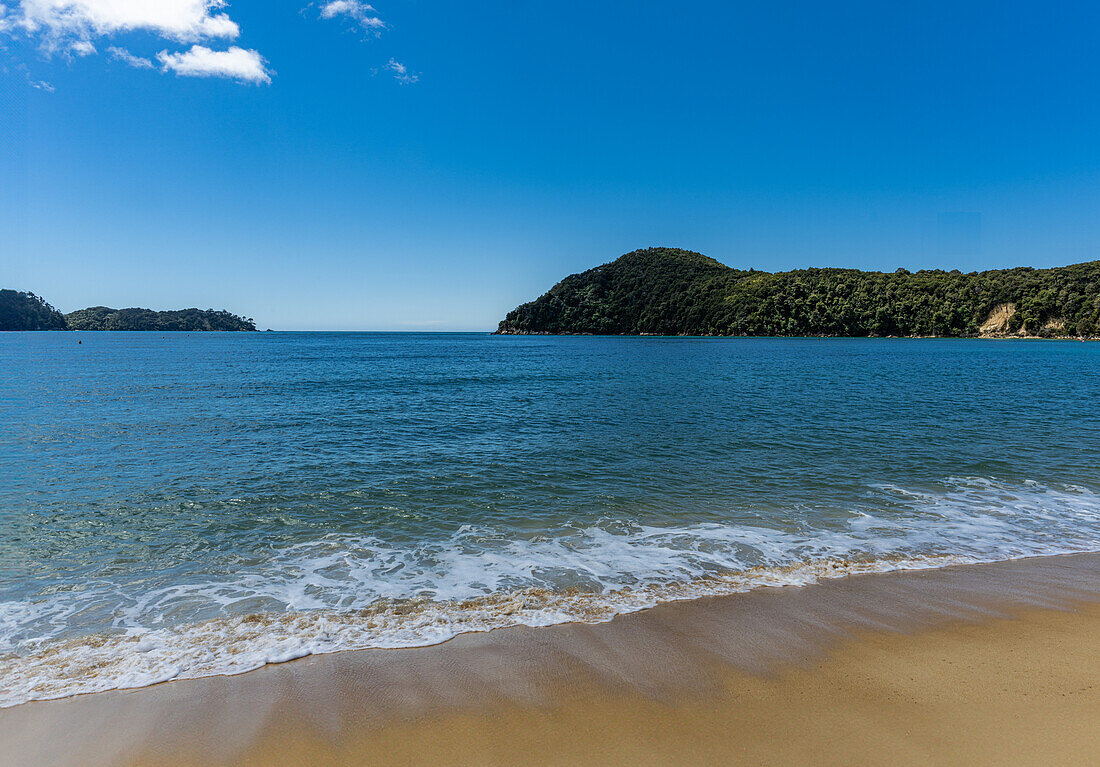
(342, 592)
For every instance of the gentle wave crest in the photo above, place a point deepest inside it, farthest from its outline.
(344, 592)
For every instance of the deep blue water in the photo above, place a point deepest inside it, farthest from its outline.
(177, 505)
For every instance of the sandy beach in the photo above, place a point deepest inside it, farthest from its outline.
(983, 664)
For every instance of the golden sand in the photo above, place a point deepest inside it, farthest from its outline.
(1021, 692)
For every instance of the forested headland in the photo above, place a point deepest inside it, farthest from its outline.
(667, 291)
(26, 311)
(104, 318)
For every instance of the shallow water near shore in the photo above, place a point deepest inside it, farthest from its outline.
(185, 505)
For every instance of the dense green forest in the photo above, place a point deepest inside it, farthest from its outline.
(104, 318)
(667, 291)
(26, 311)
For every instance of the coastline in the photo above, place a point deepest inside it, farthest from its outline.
(993, 662)
(982, 337)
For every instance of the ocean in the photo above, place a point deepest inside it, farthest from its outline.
(176, 506)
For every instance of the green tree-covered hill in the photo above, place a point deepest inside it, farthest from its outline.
(26, 311)
(667, 291)
(104, 318)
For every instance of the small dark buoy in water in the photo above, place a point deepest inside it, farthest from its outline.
(80, 342)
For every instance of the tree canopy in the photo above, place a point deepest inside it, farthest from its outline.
(667, 291)
(26, 311)
(105, 318)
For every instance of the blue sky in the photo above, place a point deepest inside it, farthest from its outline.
(423, 165)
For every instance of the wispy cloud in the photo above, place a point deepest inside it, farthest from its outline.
(80, 28)
(61, 23)
(123, 55)
(73, 27)
(245, 66)
(362, 13)
(82, 48)
(42, 85)
(401, 72)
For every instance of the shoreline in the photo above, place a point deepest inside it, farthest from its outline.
(256, 641)
(987, 337)
(691, 664)
(997, 337)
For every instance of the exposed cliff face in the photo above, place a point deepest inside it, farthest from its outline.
(999, 325)
(667, 291)
(999, 320)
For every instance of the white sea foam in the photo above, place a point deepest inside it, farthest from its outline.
(343, 592)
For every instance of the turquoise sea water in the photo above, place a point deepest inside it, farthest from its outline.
(183, 505)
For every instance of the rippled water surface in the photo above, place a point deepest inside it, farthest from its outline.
(183, 505)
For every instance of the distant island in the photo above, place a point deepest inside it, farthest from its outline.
(26, 311)
(668, 291)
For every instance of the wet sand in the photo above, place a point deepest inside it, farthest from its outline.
(985, 664)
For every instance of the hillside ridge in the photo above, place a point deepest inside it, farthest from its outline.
(670, 291)
(22, 310)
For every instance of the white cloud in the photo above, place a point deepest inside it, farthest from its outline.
(336, 7)
(236, 64)
(364, 14)
(73, 27)
(401, 72)
(42, 85)
(82, 48)
(78, 28)
(123, 55)
(61, 21)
